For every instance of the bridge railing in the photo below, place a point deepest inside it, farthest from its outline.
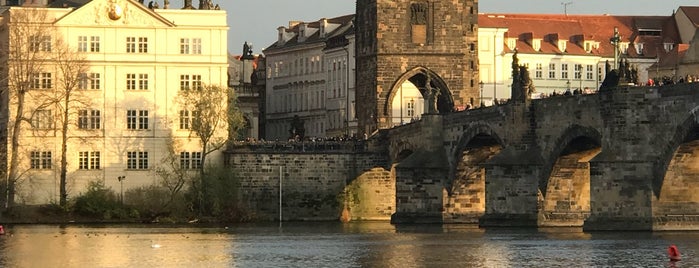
(310, 146)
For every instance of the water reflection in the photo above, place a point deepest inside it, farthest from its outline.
(372, 244)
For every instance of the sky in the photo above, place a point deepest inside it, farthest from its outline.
(256, 21)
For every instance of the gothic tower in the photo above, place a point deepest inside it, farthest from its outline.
(431, 43)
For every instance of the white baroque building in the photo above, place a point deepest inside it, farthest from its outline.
(568, 52)
(139, 58)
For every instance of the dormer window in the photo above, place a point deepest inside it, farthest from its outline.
(624, 47)
(512, 43)
(639, 48)
(562, 45)
(536, 44)
(669, 46)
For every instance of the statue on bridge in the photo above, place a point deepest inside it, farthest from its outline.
(625, 75)
(522, 86)
(434, 93)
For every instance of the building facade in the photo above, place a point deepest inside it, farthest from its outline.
(568, 52)
(138, 59)
(310, 76)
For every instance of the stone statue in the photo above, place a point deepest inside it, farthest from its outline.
(607, 67)
(166, 4)
(156, 5)
(205, 5)
(433, 96)
(522, 86)
(188, 4)
(217, 7)
(150, 5)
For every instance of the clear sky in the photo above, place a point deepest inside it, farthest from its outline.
(256, 21)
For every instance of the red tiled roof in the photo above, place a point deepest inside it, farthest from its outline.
(576, 28)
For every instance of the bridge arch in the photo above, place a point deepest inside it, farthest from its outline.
(564, 183)
(464, 190)
(677, 178)
(574, 139)
(418, 77)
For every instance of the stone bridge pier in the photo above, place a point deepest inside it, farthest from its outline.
(624, 159)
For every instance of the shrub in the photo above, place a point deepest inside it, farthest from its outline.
(100, 202)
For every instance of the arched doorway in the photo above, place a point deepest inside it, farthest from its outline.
(417, 92)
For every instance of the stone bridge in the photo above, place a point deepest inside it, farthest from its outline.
(624, 159)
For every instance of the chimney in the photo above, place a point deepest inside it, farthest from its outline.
(323, 26)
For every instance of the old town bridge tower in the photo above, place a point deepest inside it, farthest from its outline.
(430, 44)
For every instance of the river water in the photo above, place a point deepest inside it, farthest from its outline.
(366, 244)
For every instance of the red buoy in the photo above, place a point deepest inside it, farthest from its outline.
(673, 253)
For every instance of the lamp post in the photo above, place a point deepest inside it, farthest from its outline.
(121, 182)
(481, 84)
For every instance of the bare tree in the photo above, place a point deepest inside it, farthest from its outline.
(71, 68)
(215, 114)
(173, 175)
(26, 47)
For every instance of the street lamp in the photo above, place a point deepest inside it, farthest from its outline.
(121, 181)
(481, 84)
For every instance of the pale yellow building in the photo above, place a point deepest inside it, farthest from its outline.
(139, 59)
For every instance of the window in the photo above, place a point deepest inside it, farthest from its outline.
(578, 71)
(137, 119)
(143, 81)
(82, 43)
(137, 160)
(624, 47)
(196, 82)
(552, 71)
(190, 81)
(564, 71)
(196, 45)
(143, 45)
(94, 44)
(42, 119)
(89, 119)
(187, 118)
(411, 108)
(131, 82)
(184, 45)
(639, 48)
(190, 160)
(39, 43)
(539, 72)
(588, 73)
(89, 81)
(184, 82)
(131, 45)
(89, 160)
(41, 81)
(40, 160)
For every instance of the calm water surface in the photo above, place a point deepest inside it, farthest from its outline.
(337, 245)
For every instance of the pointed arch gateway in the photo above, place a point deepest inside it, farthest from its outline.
(412, 95)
